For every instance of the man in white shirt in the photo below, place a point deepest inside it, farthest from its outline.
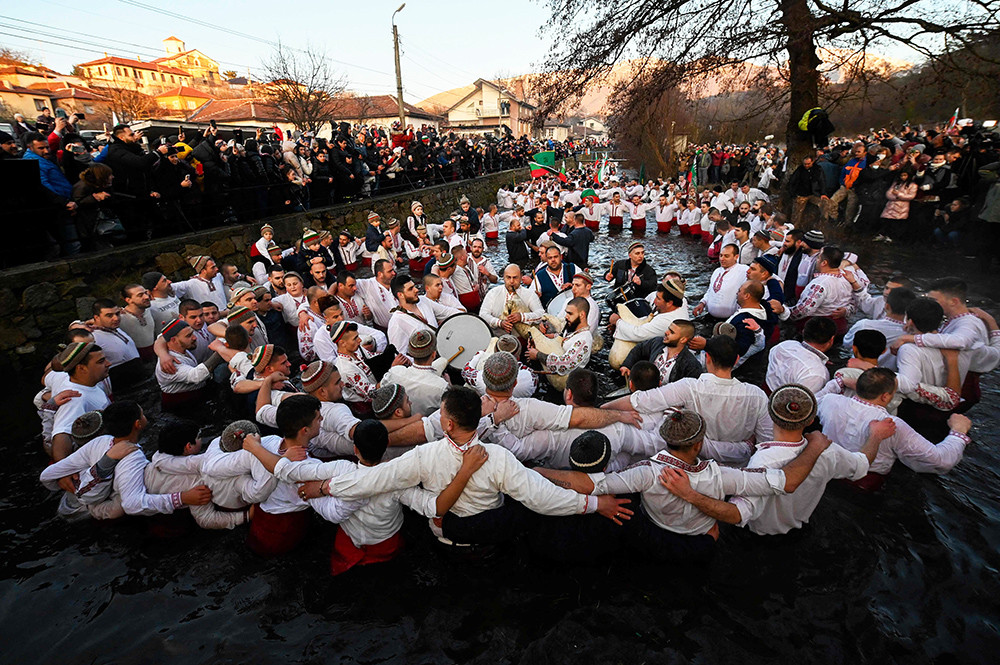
(502, 306)
(207, 284)
(667, 308)
(578, 341)
(87, 368)
(423, 379)
(803, 363)
(164, 298)
(411, 314)
(480, 515)
(583, 283)
(720, 298)
(352, 304)
(735, 413)
(120, 350)
(845, 420)
(828, 294)
(376, 292)
(185, 387)
(137, 320)
(893, 312)
(792, 410)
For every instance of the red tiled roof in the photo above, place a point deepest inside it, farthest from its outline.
(377, 106)
(185, 91)
(21, 90)
(229, 110)
(43, 72)
(78, 93)
(135, 64)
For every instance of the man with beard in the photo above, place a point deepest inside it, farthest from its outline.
(555, 278)
(485, 272)
(578, 341)
(137, 321)
(669, 354)
(411, 314)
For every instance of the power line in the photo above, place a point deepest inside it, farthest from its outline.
(443, 62)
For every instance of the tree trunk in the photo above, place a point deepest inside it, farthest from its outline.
(803, 74)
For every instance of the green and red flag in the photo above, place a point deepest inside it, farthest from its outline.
(953, 120)
(543, 164)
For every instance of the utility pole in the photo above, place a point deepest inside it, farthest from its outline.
(399, 76)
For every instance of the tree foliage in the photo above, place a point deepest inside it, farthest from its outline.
(768, 47)
(303, 86)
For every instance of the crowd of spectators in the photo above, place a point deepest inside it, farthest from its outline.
(912, 186)
(83, 194)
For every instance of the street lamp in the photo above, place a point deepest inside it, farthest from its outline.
(399, 76)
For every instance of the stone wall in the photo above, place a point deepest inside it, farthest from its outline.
(39, 300)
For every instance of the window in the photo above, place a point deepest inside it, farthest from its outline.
(39, 104)
(171, 78)
(177, 105)
(192, 105)
(118, 70)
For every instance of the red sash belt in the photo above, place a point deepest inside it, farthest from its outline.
(346, 555)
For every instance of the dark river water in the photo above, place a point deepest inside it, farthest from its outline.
(908, 575)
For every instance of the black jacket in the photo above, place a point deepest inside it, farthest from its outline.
(807, 182)
(647, 277)
(132, 167)
(687, 365)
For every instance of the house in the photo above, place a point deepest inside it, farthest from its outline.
(248, 112)
(555, 130)
(26, 75)
(181, 100)
(380, 110)
(590, 127)
(204, 70)
(485, 108)
(77, 99)
(27, 101)
(149, 78)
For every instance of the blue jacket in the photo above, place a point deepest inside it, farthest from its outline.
(52, 178)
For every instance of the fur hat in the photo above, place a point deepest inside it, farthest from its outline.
(590, 452)
(387, 399)
(500, 371)
(232, 437)
(682, 428)
(87, 426)
(792, 406)
(422, 344)
(316, 374)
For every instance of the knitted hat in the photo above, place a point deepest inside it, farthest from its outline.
(456, 216)
(510, 344)
(762, 236)
(393, 223)
(261, 356)
(422, 344)
(316, 374)
(792, 406)
(445, 260)
(273, 248)
(151, 279)
(674, 286)
(373, 217)
(238, 292)
(500, 372)
(72, 355)
(815, 239)
(323, 233)
(421, 227)
(309, 236)
(464, 199)
(266, 227)
(768, 262)
(292, 273)
(724, 328)
(239, 315)
(682, 428)
(87, 426)
(635, 245)
(5, 138)
(232, 437)
(415, 205)
(338, 329)
(171, 329)
(387, 399)
(589, 452)
(199, 262)
(585, 277)
(777, 234)
(259, 292)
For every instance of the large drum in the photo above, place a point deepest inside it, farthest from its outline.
(555, 306)
(465, 331)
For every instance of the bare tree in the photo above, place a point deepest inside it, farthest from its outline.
(770, 45)
(125, 100)
(303, 86)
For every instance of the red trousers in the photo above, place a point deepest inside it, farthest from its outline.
(274, 535)
(346, 555)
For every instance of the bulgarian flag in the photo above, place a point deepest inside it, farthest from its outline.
(543, 164)
(589, 193)
(602, 172)
(954, 120)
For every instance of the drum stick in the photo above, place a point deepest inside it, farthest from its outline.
(460, 351)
